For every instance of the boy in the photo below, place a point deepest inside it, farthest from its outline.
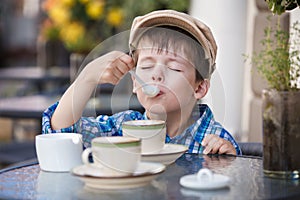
(170, 50)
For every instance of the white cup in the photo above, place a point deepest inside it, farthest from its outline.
(115, 155)
(59, 152)
(151, 132)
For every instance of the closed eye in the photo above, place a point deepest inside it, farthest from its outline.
(145, 66)
(176, 70)
(175, 66)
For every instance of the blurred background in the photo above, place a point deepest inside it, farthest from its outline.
(43, 43)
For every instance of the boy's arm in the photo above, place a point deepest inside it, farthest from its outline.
(109, 68)
(215, 144)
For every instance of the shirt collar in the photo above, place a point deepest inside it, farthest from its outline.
(200, 112)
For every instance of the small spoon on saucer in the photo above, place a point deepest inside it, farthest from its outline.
(149, 90)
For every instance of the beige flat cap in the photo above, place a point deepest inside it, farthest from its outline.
(198, 29)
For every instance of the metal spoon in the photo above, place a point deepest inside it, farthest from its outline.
(149, 90)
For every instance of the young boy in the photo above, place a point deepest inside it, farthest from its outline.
(170, 50)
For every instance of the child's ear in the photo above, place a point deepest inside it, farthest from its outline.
(134, 84)
(201, 89)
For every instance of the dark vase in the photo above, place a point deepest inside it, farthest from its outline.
(281, 134)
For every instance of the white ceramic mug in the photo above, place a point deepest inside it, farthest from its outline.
(116, 154)
(151, 132)
(59, 152)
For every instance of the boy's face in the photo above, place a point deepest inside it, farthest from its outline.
(173, 74)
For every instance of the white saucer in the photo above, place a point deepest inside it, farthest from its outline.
(97, 179)
(167, 155)
(216, 181)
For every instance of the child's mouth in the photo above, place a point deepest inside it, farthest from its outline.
(159, 94)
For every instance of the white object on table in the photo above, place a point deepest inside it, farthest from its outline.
(59, 152)
(205, 179)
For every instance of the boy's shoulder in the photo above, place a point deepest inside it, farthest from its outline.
(202, 111)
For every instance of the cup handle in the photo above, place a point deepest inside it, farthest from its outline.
(85, 156)
(204, 175)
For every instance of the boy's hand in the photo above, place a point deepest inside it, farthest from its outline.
(109, 68)
(214, 144)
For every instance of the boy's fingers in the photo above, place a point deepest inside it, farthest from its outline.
(227, 149)
(122, 65)
(224, 149)
(217, 145)
(214, 144)
(209, 143)
(205, 144)
(127, 60)
(112, 78)
(209, 140)
(206, 140)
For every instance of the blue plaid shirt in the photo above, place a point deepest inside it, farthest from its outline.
(104, 125)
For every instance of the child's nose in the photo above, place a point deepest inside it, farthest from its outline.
(157, 78)
(158, 74)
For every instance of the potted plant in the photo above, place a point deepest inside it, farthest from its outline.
(278, 7)
(279, 64)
